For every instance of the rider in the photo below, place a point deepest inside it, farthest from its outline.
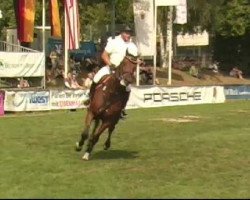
(113, 54)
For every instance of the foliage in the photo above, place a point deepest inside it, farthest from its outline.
(234, 18)
(225, 17)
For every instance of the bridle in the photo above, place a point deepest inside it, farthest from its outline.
(134, 61)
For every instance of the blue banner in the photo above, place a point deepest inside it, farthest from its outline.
(86, 50)
(237, 92)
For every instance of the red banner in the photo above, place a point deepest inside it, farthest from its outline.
(55, 19)
(25, 14)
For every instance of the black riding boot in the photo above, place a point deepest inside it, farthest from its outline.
(125, 100)
(91, 93)
(92, 89)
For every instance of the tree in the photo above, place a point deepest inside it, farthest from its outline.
(233, 18)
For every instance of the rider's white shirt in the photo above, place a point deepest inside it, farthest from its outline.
(116, 48)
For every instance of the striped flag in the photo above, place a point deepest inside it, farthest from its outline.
(25, 16)
(55, 19)
(72, 27)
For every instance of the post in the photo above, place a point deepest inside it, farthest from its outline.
(170, 38)
(155, 42)
(137, 74)
(44, 48)
(66, 43)
(113, 19)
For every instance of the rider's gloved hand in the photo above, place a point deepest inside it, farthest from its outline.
(112, 68)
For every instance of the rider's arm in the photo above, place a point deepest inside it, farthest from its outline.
(106, 58)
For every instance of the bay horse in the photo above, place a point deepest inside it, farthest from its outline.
(106, 104)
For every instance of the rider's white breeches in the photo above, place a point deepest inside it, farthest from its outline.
(103, 71)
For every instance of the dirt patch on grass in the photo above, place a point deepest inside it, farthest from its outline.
(183, 119)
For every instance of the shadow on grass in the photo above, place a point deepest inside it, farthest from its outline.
(115, 154)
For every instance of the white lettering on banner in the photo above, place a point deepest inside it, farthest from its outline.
(144, 26)
(21, 64)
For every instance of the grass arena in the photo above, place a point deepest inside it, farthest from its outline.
(189, 151)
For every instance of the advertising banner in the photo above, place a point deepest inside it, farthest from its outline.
(181, 12)
(163, 96)
(67, 99)
(167, 2)
(199, 39)
(27, 100)
(237, 92)
(22, 64)
(144, 26)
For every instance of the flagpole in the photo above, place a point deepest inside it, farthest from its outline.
(155, 41)
(44, 51)
(66, 43)
(170, 38)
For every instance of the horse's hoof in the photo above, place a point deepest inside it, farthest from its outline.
(86, 156)
(78, 147)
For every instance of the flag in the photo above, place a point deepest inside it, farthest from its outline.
(25, 17)
(72, 27)
(55, 19)
(181, 12)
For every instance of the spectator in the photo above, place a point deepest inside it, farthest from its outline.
(194, 71)
(54, 59)
(88, 81)
(235, 72)
(23, 83)
(71, 82)
(146, 74)
(71, 62)
(214, 67)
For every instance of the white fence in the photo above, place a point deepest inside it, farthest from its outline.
(7, 47)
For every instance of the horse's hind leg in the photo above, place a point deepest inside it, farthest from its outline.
(93, 140)
(108, 141)
(85, 133)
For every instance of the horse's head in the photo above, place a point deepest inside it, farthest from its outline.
(129, 64)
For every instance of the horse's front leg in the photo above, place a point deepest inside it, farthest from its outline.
(93, 140)
(85, 133)
(107, 144)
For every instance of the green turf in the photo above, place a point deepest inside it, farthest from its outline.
(150, 157)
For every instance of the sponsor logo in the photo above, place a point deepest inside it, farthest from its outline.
(39, 99)
(172, 96)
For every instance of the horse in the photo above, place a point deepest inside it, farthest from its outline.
(106, 104)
